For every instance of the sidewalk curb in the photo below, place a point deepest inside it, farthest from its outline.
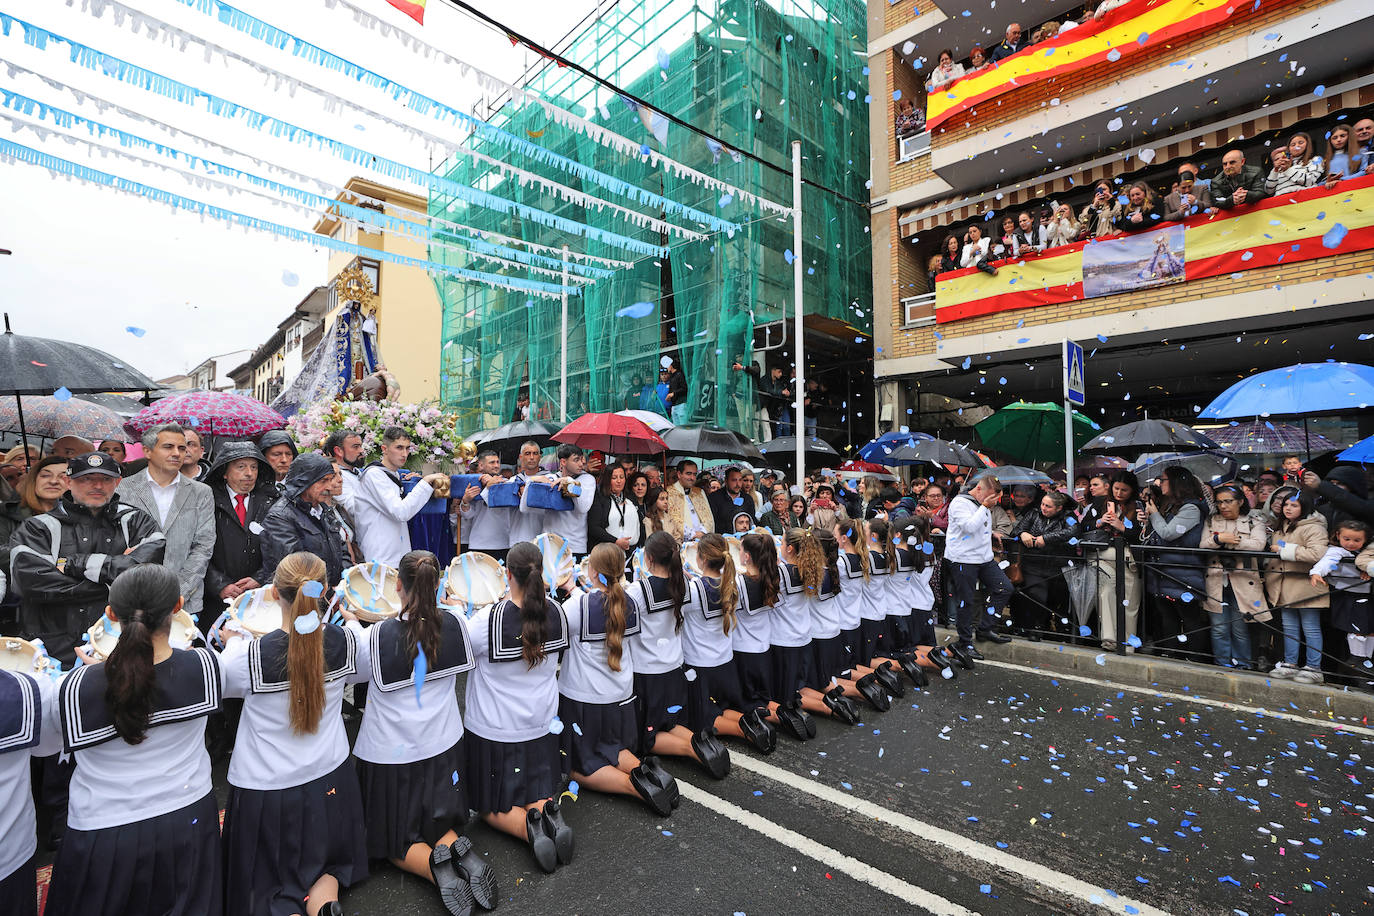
(1329, 703)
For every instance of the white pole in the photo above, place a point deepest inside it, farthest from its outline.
(1068, 446)
(799, 345)
(563, 349)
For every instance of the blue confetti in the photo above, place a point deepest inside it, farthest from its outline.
(664, 61)
(1319, 91)
(638, 310)
(556, 726)
(421, 669)
(289, 279)
(674, 709)
(307, 623)
(137, 332)
(62, 394)
(1334, 236)
(312, 589)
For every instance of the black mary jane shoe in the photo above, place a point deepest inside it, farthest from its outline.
(541, 843)
(888, 678)
(453, 889)
(662, 778)
(332, 908)
(913, 670)
(712, 754)
(655, 796)
(558, 830)
(758, 732)
(873, 692)
(479, 875)
(793, 720)
(841, 706)
(964, 655)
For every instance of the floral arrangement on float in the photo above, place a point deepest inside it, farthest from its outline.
(438, 444)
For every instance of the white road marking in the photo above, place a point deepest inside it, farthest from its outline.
(1044, 876)
(830, 858)
(1189, 698)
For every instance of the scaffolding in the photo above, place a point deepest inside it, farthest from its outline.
(755, 74)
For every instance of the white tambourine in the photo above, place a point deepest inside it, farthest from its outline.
(257, 611)
(104, 634)
(475, 580)
(22, 656)
(559, 568)
(369, 592)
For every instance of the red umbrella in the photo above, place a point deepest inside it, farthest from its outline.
(610, 432)
(214, 413)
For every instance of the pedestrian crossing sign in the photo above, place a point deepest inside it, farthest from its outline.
(1075, 391)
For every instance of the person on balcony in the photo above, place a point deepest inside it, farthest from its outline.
(977, 60)
(1238, 184)
(1189, 198)
(909, 121)
(1062, 228)
(1099, 217)
(1009, 45)
(1142, 210)
(1030, 237)
(946, 71)
(1343, 160)
(949, 254)
(1284, 177)
(1002, 247)
(1309, 166)
(975, 253)
(1364, 143)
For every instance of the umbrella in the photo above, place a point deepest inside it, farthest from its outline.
(613, 433)
(1011, 475)
(1149, 436)
(787, 445)
(879, 448)
(1298, 389)
(1260, 437)
(1362, 451)
(214, 413)
(935, 451)
(655, 421)
(1033, 431)
(38, 365)
(52, 417)
(1208, 467)
(507, 439)
(706, 441)
(855, 469)
(124, 406)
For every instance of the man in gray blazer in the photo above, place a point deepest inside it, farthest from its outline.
(184, 509)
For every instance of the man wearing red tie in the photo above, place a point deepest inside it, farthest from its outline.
(242, 483)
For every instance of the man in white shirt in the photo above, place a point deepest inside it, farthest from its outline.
(571, 524)
(382, 506)
(487, 527)
(184, 509)
(968, 551)
(527, 522)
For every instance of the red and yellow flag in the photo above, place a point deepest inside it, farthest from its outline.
(415, 9)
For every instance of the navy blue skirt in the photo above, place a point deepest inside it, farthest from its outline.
(710, 692)
(851, 648)
(510, 774)
(899, 631)
(660, 705)
(873, 640)
(409, 803)
(791, 670)
(19, 889)
(602, 731)
(827, 661)
(168, 865)
(279, 842)
(755, 670)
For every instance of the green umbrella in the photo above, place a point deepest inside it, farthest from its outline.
(1033, 431)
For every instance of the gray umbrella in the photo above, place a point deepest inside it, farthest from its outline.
(507, 439)
(1143, 436)
(705, 441)
(934, 451)
(1012, 475)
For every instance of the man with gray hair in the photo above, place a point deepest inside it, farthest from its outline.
(968, 551)
(1014, 42)
(184, 509)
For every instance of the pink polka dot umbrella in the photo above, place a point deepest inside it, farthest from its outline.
(213, 413)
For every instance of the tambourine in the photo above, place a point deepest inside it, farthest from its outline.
(692, 565)
(475, 580)
(104, 634)
(369, 592)
(558, 560)
(257, 611)
(21, 656)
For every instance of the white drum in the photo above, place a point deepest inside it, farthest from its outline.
(475, 580)
(257, 611)
(21, 656)
(559, 568)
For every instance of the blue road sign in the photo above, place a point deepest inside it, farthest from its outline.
(1075, 391)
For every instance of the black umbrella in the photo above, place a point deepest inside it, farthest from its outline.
(1011, 475)
(1134, 439)
(705, 441)
(38, 365)
(121, 404)
(787, 445)
(934, 451)
(507, 439)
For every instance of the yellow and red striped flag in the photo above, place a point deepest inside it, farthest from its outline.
(415, 9)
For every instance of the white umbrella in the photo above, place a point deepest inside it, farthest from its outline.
(655, 421)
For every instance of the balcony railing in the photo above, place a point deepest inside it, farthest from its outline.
(918, 310)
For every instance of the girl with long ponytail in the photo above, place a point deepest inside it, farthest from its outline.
(660, 682)
(909, 636)
(410, 745)
(831, 666)
(714, 701)
(760, 585)
(140, 714)
(856, 579)
(291, 765)
(512, 748)
(596, 689)
(802, 580)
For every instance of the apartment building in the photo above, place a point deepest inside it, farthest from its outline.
(1170, 314)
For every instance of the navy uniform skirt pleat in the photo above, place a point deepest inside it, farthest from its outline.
(19, 889)
(755, 670)
(508, 774)
(167, 865)
(791, 670)
(709, 692)
(594, 734)
(827, 660)
(279, 842)
(409, 803)
(660, 705)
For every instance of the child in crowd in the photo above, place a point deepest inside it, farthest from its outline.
(1347, 567)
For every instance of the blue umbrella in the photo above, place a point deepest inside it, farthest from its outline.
(878, 450)
(1362, 451)
(1298, 389)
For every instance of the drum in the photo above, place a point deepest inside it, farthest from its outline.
(21, 656)
(369, 592)
(257, 611)
(558, 560)
(105, 634)
(475, 580)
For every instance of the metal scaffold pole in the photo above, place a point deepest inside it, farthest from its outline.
(799, 345)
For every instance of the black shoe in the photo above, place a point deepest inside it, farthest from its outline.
(888, 678)
(541, 844)
(874, 693)
(662, 778)
(962, 656)
(992, 636)
(453, 890)
(913, 670)
(655, 796)
(558, 830)
(793, 721)
(841, 706)
(713, 755)
(332, 908)
(971, 654)
(472, 868)
(761, 734)
(807, 719)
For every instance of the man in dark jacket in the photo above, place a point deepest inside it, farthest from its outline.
(63, 562)
(1238, 183)
(729, 501)
(304, 519)
(1013, 42)
(243, 485)
(1344, 494)
(280, 450)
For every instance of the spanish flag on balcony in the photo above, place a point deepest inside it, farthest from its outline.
(1126, 31)
(415, 9)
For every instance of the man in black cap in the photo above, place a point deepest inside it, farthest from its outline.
(62, 562)
(280, 450)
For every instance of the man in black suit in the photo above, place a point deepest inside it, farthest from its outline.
(243, 485)
(729, 501)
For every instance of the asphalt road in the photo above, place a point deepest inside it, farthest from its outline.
(1006, 791)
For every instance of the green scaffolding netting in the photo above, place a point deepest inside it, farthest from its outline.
(756, 74)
